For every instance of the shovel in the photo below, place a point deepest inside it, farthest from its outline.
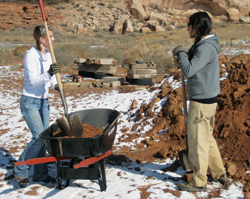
(184, 159)
(70, 125)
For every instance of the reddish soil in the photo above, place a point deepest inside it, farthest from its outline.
(232, 130)
(88, 132)
(27, 15)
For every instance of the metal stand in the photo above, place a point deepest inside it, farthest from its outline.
(95, 171)
(92, 168)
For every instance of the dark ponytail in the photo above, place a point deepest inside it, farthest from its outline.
(202, 23)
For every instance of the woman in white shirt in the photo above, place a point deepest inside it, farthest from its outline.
(38, 77)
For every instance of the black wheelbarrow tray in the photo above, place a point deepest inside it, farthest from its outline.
(94, 149)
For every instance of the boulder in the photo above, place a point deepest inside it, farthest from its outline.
(154, 26)
(79, 29)
(118, 26)
(235, 14)
(139, 11)
(157, 17)
(221, 9)
(127, 27)
(145, 30)
(245, 20)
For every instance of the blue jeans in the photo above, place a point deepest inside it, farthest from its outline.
(36, 114)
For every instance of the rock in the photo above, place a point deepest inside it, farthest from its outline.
(234, 14)
(231, 169)
(117, 26)
(154, 26)
(247, 195)
(133, 105)
(139, 11)
(245, 20)
(127, 27)
(165, 91)
(145, 30)
(157, 17)
(79, 29)
(138, 117)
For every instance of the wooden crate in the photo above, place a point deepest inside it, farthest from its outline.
(101, 61)
(142, 66)
(141, 76)
(142, 71)
(107, 69)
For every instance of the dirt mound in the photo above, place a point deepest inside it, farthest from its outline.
(231, 132)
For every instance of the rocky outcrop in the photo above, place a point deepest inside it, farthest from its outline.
(221, 9)
(123, 16)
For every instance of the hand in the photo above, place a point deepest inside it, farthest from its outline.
(54, 68)
(57, 88)
(178, 49)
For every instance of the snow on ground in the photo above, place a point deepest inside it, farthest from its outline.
(122, 181)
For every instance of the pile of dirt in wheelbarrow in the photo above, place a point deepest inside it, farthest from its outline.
(167, 137)
(89, 131)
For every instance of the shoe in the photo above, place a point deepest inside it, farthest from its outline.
(190, 188)
(23, 182)
(224, 180)
(47, 180)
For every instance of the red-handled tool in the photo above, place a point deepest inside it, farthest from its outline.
(70, 125)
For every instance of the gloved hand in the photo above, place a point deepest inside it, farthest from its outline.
(54, 68)
(57, 88)
(178, 49)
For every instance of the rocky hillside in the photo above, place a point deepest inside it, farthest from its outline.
(120, 16)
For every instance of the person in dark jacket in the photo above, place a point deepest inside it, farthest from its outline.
(200, 66)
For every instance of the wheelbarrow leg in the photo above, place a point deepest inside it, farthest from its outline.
(59, 175)
(100, 169)
(71, 166)
(103, 174)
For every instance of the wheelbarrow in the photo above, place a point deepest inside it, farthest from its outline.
(88, 155)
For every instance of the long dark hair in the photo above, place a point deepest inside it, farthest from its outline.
(202, 23)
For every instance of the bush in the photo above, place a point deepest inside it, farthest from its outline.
(101, 4)
(147, 53)
(66, 54)
(20, 51)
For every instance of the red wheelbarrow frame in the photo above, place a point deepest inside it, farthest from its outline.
(97, 161)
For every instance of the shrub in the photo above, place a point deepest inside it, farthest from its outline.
(116, 54)
(97, 29)
(66, 54)
(101, 4)
(147, 53)
(20, 51)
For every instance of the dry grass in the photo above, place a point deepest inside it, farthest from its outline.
(125, 49)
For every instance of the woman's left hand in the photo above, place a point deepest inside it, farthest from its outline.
(178, 49)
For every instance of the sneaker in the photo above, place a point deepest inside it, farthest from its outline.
(47, 180)
(23, 182)
(224, 180)
(190, 188)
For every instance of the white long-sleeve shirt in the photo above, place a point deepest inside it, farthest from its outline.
(37, 80)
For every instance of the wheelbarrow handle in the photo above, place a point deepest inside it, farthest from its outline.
(42, 160)
(83, 163)
(91, 160)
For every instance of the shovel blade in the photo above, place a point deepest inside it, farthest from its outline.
(64, 126)
(75, 125)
